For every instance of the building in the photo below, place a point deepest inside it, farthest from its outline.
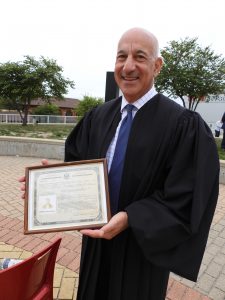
(65, 105)
(212, 108)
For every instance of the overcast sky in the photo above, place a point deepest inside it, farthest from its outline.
(82, 35)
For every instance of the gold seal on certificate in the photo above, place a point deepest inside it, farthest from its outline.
(66, 196)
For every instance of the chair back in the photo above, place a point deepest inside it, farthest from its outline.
(32, 278)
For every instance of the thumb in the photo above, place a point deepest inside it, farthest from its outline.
(44, 162)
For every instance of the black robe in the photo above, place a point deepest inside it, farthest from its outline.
(169, 190)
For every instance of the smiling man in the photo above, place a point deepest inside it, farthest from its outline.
(137, 63)
(163, 181)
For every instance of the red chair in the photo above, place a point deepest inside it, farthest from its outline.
(31, 279)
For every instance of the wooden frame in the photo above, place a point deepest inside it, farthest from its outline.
(66, 196)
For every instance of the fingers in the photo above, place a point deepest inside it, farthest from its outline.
(94, 233)
(44, 162)
(116, 225)
(22, 179)
(23, 187)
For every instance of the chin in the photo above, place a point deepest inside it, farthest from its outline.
(130, 97)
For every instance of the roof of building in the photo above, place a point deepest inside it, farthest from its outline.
(64, 103)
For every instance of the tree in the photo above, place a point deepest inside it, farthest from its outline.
(191, 71)
(47, 109)
(86, 104)
(23, 81)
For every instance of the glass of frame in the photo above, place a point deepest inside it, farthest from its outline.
(66, 196)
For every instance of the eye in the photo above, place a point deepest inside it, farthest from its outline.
(121, 57)
(140, 57)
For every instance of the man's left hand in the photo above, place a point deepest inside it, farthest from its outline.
(117, 224)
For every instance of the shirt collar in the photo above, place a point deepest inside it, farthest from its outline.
(141, 101)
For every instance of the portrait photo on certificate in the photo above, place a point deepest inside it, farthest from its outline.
(66, 196)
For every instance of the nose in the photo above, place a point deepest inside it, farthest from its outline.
(129, 64)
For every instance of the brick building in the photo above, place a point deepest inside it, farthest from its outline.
(65, 105)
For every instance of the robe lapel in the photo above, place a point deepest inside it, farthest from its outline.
(108, 131)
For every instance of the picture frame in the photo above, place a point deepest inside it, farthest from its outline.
(66, 196)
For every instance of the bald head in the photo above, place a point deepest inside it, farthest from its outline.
(137, 34)
(137, 63)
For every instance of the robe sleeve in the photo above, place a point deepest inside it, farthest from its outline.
(171, 225)
(223, 118)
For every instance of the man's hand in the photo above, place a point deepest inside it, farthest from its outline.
(117, 224)
(22, 179)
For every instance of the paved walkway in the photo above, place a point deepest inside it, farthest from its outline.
(14, 244)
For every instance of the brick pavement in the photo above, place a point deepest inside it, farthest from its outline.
(211, 281)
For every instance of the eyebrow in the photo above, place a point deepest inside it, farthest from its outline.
(121, 52)
(137, 52)
(141, 52)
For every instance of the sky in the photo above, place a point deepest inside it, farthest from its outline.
(82, 35)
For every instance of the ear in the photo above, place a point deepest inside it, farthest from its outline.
(158, 66)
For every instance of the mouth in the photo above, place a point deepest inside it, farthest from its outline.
(129, 78)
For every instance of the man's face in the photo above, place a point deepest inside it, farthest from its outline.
(135, 66)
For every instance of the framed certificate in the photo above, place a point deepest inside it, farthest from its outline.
(66, 196)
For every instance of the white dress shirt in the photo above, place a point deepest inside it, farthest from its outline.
(137, 105)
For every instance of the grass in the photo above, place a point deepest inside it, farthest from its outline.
(220, 151)
(59, 132)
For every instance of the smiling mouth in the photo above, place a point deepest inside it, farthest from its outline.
(129, 78)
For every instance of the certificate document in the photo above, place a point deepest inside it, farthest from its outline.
(66, 196)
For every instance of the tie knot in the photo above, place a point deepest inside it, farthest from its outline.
(129, 108)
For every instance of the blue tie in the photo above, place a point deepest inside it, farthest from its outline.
(116, 169)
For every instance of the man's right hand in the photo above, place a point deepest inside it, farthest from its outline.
(22, 179)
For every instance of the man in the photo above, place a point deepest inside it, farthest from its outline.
(164, 197)
(168, 186)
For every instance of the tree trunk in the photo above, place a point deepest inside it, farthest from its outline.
(24, 119)
(189, 102)
(184, 105)
(192, 104)
(196, 104)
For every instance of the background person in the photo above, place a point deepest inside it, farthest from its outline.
(217, 128)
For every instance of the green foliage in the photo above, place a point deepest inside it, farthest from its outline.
(2, 106)
(47, 109)
(86, 104)
(47, 131)
(6, 105)
(220, 151)
(191, 71)
(23, 81)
